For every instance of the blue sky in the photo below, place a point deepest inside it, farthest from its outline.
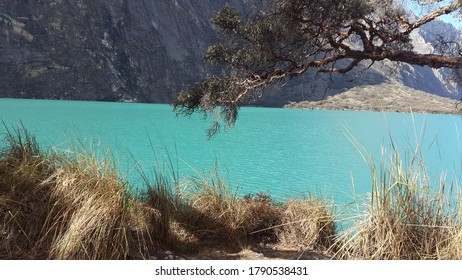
(415, 8)
(451, 19)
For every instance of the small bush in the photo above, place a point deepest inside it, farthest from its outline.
(309, 223)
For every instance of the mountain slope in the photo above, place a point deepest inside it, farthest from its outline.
(390, 97)
(148, 50)
(315, 87)
(145, 50)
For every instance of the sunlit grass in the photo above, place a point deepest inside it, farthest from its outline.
(75, 205)
(65, 207)
(408, 214)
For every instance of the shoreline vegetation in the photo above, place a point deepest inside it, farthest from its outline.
(73, 205)
(386, 97)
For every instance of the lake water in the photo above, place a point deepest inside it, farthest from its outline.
(284, 152)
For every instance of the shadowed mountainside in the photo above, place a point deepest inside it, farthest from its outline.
(143, 50)
(148, 50)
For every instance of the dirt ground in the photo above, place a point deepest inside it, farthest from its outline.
(253, 252)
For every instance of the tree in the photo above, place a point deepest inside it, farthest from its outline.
(282, 39)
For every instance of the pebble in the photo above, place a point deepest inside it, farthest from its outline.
(168, 253)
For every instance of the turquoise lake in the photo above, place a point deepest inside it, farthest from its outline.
(283, 152)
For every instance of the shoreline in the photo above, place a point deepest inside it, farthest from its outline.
(388, 97)
(47, 203)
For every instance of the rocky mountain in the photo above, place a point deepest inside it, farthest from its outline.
(435, 81)
(144, 50)
(148, 50)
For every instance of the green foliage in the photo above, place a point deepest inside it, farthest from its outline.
(211, 97)
(227, 18)
(287, 38)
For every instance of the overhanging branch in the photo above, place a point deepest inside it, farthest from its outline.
(431, 16)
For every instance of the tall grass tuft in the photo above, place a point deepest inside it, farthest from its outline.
(61, 207)
(161, 204)
(217, 214)
(94, 215)
(213, 210)
(408, 216)
(23, 200)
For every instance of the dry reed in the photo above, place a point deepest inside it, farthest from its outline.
(76, 206)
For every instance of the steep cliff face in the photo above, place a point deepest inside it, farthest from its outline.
(145, 50)
(148, 50)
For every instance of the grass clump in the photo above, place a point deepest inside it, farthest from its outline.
(406, 217)
(76, 206)
(22, 168)
(57, 207)
(206, 212)
(308, 223)
(94, 216)
(215, 214)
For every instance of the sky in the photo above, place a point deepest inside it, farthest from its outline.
(453, 19)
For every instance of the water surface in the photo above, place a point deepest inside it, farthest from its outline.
(284, 152)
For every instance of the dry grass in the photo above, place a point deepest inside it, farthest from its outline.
(453, 248)
(308, 223)
(76, 206)
(57, 207)
(22, 169)
(94, 216)
(407, 217)
(216, 214)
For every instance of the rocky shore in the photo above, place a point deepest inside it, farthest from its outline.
(386, 97)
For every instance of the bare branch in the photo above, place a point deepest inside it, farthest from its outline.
(455, 5)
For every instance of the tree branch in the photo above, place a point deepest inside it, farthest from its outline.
(292, 37)
(431, 16)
